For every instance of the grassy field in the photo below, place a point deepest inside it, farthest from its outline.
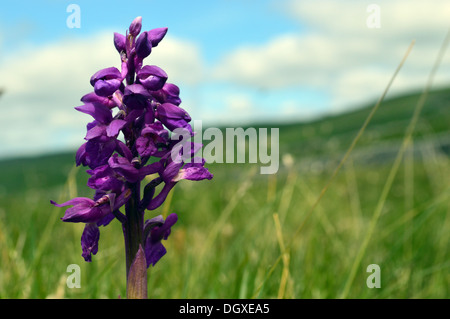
(247, 235)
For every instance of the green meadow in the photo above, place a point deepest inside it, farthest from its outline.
(309, 231)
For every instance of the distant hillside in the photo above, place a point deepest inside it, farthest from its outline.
(327, 137)
(34, 172)
(335, 133)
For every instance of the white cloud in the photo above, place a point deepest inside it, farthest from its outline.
(338, 53)
(239, 102)
(181, 60)
(65, 65)
(43, 85)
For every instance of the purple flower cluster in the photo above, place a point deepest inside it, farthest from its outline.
(138, 102)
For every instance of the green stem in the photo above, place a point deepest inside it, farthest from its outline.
(133, 228)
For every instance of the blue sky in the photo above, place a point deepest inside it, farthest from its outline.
(217, 26)
(236, 62)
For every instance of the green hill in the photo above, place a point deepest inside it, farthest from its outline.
(325, 138)
(335, 133)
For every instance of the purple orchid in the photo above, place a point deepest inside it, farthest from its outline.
(157, 229)
(106, 81)
(134, 113)
(152, 137)
(89, 241)
(152, 77)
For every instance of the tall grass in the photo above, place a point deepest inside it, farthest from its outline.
(230, 234)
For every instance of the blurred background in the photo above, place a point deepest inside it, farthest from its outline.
(313, 69)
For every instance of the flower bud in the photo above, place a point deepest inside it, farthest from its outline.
(156, 35)
(143, 46)
(119, 42)
(135, 26)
